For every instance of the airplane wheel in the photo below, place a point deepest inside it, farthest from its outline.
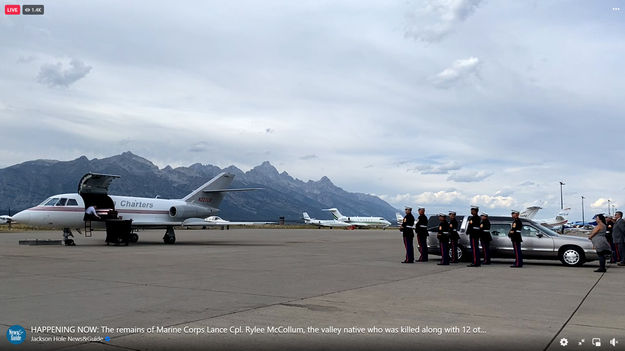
(134, 238)
(169, 239)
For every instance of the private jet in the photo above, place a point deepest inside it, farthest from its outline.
(362, 222)
(67, 211)
(324, 222)
(559, 220)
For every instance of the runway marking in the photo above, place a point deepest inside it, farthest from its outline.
(575, 311)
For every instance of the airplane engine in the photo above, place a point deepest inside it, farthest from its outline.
(189, 211)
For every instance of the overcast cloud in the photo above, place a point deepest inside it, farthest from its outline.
(436, 103)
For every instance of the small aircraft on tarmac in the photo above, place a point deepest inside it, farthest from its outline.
(324, 222)
(560, 218)
(365, 222)
(67, 211)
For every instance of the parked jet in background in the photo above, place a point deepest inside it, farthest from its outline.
(359, 221)
(218, 221)
(68, 210)
(560, 218)
(324, 222)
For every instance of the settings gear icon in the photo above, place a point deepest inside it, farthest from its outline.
(564, 342)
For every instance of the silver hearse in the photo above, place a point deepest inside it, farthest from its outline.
(539, 242)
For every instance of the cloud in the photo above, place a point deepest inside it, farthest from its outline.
(199, 147)
(528, 183)
(309, 157)
(461, 70)
(601, 203)
(435, 19)
(492, 201)
(57, 75)
(437, 169)
(425, 198)
(469, 176)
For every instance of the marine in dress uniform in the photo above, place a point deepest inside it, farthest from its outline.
(609, 224)
(485, 236)
(408, 234)
(422, 235)
(454, 237)
(516, 238)
(473, 230)
(443, 239)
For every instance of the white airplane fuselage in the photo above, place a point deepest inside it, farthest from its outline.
(147, 212)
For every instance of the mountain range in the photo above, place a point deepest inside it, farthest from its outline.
(27, 184)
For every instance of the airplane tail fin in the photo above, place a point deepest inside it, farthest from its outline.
(335, 212)
(306, 217)
(212, 192)
(530, 212)
(399, 217)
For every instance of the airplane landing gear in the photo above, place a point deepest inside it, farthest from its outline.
(170, 236)
(67, 233)
(133, 238)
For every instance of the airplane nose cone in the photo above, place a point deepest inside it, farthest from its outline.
(21, 217)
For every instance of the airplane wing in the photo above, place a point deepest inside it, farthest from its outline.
(236, 223)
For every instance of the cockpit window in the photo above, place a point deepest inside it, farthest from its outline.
(61, 202)
(51, 202)
(72, 202)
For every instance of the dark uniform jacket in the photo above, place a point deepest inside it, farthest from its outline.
(453, 229)
(515, 231)
(608, 231)
(485, 230)
(406, 226)
(443, 231)
(422, 226)
(473, 227)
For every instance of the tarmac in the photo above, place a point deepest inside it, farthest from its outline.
(294, 289)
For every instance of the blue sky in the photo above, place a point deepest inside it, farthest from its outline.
(435, 103)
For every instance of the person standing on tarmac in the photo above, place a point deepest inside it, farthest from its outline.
(473, 230)
(515, 236)
(599, 242)
(618, 236)
(443, 239)
(408, 234)
(454, 237)
(485, 237)
(609, 224)
(422, 235)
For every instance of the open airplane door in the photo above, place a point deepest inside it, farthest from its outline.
(94, 187)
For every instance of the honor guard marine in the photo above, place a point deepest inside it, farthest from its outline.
(516, 238)
(422, 235)
(408, 234)
(473, 230)
(454, 237)
(485, 237)
(443, 239)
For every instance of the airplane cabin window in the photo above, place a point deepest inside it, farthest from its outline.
(61, 202)
(52, 201)
(72, 202)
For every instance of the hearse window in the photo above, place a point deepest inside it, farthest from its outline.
(52, 201)
(500, 230)
(529, 231)
(61, 202)
(72, 202)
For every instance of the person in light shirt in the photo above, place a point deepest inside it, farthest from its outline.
(91, 212)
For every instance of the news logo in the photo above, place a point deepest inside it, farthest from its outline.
(11, 9)
(16, 334)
